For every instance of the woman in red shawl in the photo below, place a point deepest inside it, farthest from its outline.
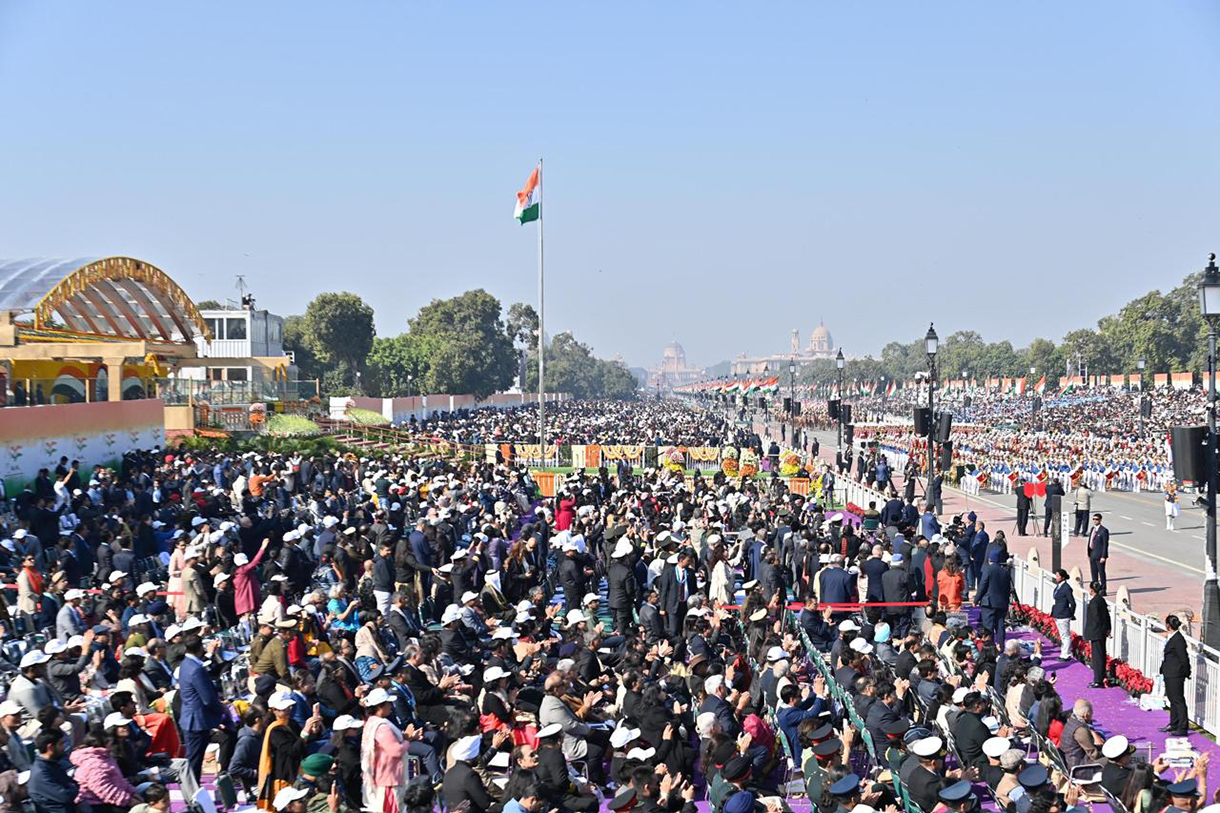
(246, 598)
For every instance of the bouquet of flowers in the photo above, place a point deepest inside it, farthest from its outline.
(749, 463)
(728, 461)
(790, 464)
(675, 460)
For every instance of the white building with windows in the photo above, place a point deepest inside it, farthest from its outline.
(246, 345)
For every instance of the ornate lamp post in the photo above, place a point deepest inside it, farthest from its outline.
(1209, 305)
(839, 362)
(931, 344)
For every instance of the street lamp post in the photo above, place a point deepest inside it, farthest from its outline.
(931, 343)
(1209, 304)
(839, 361)
(1140, 365)
(792, 399)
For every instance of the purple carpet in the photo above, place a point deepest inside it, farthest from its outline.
(1114, 711)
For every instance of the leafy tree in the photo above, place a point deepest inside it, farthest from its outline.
(208, 305)
(398, 366)
(571, 367)
(339, 328)
(295, 340)
(1045, 357)
(523, 325)
(470, 349)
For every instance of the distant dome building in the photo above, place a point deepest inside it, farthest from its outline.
(673, 370)
(821, 346)
(820, 341)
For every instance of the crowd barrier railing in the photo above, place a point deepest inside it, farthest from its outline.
(1138, 639)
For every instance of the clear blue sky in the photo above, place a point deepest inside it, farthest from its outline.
(717, 173)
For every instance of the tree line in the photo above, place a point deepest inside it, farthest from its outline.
(1165, 330)
(462, 345)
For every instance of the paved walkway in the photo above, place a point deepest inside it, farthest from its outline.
(1157, 584)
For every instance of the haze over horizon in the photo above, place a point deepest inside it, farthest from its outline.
(715, 174)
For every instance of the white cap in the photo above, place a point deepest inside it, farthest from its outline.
(287, 796)
(76, 641)
(994, 746)
(622, 548)
(11, 707)
(136, 650)
(849, 626)
(33, 658)
(220, 579)
(460, 553)
(115, 720)
(116, 576)
(191, 552)
(623, 735)
(240, 559)
(493, 673)
(346, 721)
(279, 577)
(927, 746)
(74, 594)
(862, 646)
(575, 616)
(776, 653)
(452, 613)
(138, 618)
(197, 521)
(20, 533)
(549, 730)
(502, 632)
(378, 696)
(146, 588)
(469, 595)
(330, 522)
(1115, 747)
(55, 647)
(590, 598)
(642, 754)
(959, 694)
(171, 631)
(281, 700)
(192, 623)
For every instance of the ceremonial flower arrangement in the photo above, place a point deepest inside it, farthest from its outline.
(728, 462)
(749, 463)
(852, 508)
(675, 460)
(790, 464)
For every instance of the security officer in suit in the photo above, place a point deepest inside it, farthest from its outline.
(1099, 552)
(1175, 667)
(1096, 631)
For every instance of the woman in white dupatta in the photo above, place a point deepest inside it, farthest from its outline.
(383, 750)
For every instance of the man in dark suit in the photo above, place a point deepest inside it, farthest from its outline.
(201, 709)
(675, 585)
(995, 585)
(1022, 510)
(1099, 552)
(716, 703)
(1053, 489)
(1064, 608)
(838, 586)
(650, 618)
(622, 590)
(971, 732)
(1175, 667)
(1096, 631)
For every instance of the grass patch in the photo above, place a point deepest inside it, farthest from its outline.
(291, 426)
(367, 417)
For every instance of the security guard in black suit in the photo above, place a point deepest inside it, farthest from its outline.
(1175, 667)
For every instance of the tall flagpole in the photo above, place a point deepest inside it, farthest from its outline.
(541, 332)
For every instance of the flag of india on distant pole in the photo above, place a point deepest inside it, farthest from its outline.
(527, 210)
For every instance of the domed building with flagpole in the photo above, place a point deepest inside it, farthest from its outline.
(673, 371)
(821, 346)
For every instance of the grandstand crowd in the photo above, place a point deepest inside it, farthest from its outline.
(363, 630)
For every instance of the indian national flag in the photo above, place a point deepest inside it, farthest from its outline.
(529, 199)
(1040, 387)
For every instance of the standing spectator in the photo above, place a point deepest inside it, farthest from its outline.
(1083, 503)
(995, 586)
(201, 710)
(1096, 631)
(1064, 609)
(1099, 552)
(1175, 667)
